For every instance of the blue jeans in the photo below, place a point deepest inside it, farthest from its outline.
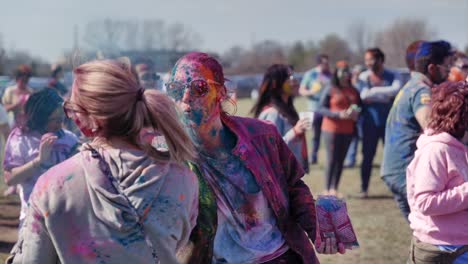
(463, 259)
(352, 150)
(370, 138)
(397, 185)
(316, 130)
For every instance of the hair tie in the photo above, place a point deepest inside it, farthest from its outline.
(140, 93)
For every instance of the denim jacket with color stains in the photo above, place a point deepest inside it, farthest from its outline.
(262, 150)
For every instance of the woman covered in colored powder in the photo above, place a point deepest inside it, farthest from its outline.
(38, 144)
(275, 104)
(339, 106)
(437, 180)
(118, 200)
(259, 211)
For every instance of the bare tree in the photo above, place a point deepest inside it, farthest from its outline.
(232, 58)
(297, 55)
(254, 60)
(360, 38)
(2, 56)
(395, 39)
(131, 34)
(180, 37)
(335, 47)
(153, 34)
(104, 35)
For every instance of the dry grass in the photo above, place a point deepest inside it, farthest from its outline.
(383, 234)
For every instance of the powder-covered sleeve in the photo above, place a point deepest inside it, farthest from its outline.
(302, 203)
(15, 151)
(34, 244)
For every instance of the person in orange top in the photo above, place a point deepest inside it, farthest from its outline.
(340, 106)
(459, 71)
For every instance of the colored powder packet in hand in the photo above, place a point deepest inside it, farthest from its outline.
(333, 221)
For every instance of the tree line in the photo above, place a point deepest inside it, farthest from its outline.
(108, 37)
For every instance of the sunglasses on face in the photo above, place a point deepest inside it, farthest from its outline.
(70, 109)
(198, 88)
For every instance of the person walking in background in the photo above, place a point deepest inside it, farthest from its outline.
(339, 105)
(147, 76)
(437, 180)
(4, 132)
(16, 96)
(378, 87)
(4, 125)
(257, 208)
(409, 116)
(459, 71)
(409, 58)
(312, 86)
(411, 52)
(36, 145)
(118, 200)
(55, 80)
(275, 104)
(350, 159)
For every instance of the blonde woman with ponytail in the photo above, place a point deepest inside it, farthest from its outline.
(118, 200)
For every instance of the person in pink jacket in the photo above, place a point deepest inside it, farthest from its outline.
(437, 180)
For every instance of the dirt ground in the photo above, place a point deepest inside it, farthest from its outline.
(9, 214)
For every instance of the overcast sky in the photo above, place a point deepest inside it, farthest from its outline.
(45, 27)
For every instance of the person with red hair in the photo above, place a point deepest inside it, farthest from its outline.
(437, 180)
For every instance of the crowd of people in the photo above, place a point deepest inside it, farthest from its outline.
(113, 170)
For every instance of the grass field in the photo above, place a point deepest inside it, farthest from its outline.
(383, 234)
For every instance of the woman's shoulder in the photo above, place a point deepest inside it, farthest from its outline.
(178, 178)
(18, 136)
(181, 170)
(268, 111)
(57, 179)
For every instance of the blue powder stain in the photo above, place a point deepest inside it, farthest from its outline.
(141, 180)
(274, 235)
(213, 132)
(132, 238)
(197, 116)
(69, 177)
(174, 70)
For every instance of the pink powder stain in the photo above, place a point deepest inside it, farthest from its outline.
(36, 223)
(42, 185)
(84, 250)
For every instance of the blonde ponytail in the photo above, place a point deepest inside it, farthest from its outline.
(161, 114)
